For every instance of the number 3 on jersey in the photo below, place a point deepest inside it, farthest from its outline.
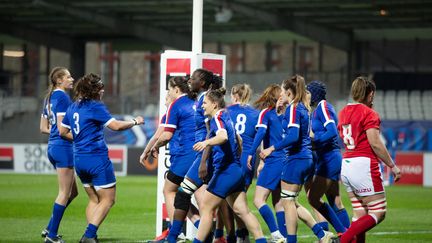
(347, 136)
(240, 125)
(76, 122)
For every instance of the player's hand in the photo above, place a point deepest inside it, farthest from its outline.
(200, 146)
(202, 171)
(249, 162)
(139, 120)
(266, 152)
(396, 173)
(154, 152)
(144, 156)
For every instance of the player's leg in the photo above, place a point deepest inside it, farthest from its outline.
(280, 214)
(207, 210)
(238, 203)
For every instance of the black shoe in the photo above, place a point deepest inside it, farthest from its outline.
(88, 240)
(54, 240)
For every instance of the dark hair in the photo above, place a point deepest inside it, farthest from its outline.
(298, 86)
(182, 84)
(269, 97)
(217, 96)
(243, 91)
(361, 88)
(211, 81)
(56, 73)
(88, 87)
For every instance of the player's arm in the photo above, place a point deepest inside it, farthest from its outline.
(202, 170)
(380, 150)
(64, 130)
(220, 138)
(117, 125)
(44, 125)
(292, 135)
(145, 154)
(163, 139)
(67, 135)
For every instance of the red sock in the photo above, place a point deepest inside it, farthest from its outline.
(361, 238)
(359, 226)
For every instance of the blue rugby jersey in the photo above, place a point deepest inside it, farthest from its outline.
(297, 116)
(269, 131)
(224, 154)
(59, 102)
(245, 118)
(174, 142)
(324, 126)
(200, 127)
(180, 120)
(87, 119)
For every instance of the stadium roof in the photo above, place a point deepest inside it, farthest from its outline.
(169, 22)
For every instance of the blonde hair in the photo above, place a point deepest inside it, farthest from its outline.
(297, 85)
(243, 91)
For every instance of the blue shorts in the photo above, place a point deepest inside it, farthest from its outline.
(95, 170)
(61, 156)
(227, 181)
(180, 164)
(297, 171)
(248, 174)
(329, 165)
(192, 173)
(270, 175)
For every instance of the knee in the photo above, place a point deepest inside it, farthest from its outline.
(377, 209)
(258, 202)
(182, 200)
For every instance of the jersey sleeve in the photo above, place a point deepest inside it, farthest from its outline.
(172, 117)
(263, 119)
(323, 113)
(372, 120)
(62, 105)
(292, 116)
(162, 121)
(219, 124)
(101, 114)
(66, 122)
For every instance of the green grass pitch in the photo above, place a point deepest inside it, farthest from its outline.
(26, 203)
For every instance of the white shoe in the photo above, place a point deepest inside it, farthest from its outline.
(181, 238)
(277, 237)
(327, 238)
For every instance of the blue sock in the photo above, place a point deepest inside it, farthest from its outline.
(267, 215)
(291, 238)
(57, 215)
(324, 225)
(331, 216)
(49, 224)
(196, 241)
(175, 230)
(343, 217)
(91, 231)
(218, 233)
(318, 231)
(261, 240)
(280, 217)
(196, 224)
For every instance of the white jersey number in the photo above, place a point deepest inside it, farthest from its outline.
(240, 125)
(51, 116)
(347, 136)
(76, 119)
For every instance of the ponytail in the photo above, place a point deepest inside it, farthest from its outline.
(297, 85)
(243, 91)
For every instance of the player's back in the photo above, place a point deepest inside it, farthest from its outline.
(321, 117)
(87, 119)
(200, 127)
(180, 116)
(354, 120)
(245, 118)
(297, 115)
